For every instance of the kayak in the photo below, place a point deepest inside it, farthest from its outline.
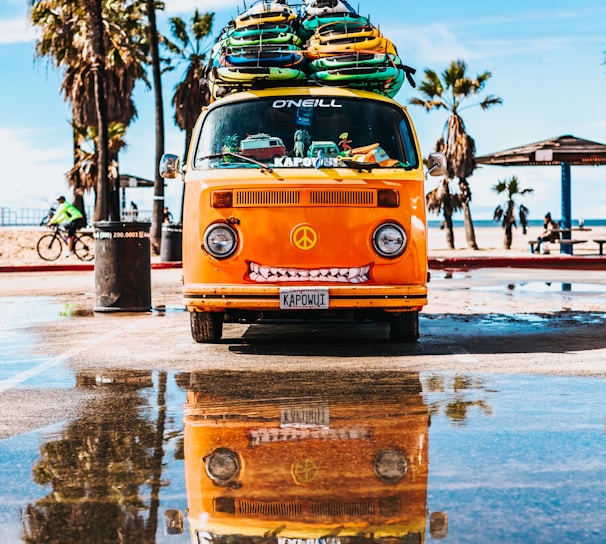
(263, 57)
(264, 37)
(257, 28)
(380, 74)
(318, 7)
(241, 74)
(376, 44)
(384, 80)
(353, 60)
(266, 12)
(341, 33)
(339, 28)
(310, 24)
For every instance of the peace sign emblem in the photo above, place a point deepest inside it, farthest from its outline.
(304, 237)
(305, 471)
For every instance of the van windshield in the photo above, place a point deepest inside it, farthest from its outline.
(304, 132)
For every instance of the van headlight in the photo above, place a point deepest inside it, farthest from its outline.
(220, 240)
(390, 466)
(389, 240)
(222, 466)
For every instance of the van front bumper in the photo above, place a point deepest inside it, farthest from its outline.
(214, 298)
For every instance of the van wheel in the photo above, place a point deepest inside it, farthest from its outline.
(404, 327)
(206, 327)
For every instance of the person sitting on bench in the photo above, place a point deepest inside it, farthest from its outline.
(550, 233)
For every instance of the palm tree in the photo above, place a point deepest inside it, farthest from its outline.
(442, 200)
(191, 47)
(506, 213)
(448, 92)
(66, 39)
(158, 211)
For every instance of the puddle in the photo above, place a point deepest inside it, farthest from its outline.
(544, 287)
(388, 457)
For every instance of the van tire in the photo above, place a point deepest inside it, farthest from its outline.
(404, 327)
(206, 327)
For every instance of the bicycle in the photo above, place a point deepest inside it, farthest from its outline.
(50, 246)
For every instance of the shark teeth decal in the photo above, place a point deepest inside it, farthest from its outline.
(274, 274)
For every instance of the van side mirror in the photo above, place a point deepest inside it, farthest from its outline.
(438, 525)
(169, 166)
(173, 522)
(436, 164)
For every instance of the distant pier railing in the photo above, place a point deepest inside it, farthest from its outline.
(32, 217)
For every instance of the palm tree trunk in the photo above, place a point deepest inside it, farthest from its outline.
(508, 236)
(465, 195)
(449, 229)
(158, 212)
(95, 14)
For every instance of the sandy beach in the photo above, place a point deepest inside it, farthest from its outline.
(18, 244)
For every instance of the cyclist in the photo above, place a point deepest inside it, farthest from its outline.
(70, 218)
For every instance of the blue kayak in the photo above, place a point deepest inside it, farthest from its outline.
(264, 57)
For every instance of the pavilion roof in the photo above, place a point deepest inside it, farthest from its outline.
(563, 149)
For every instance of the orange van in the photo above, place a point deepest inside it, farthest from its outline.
(298, 236)
(288, 458)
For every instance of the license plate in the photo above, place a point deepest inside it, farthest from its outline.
(292, 298)
(305, 416)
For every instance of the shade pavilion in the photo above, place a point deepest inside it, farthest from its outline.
(564, 151)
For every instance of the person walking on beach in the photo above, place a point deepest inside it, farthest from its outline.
(70, 218)
(550, 233)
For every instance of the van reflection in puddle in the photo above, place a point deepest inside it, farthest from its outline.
(313, 457)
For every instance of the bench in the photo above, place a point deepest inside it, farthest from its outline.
(532, 244)
(600, 243)
(570, 243)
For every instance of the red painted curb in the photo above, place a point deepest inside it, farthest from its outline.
(539, 261)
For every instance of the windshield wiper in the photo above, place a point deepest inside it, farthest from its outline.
(359, 166)
(244, 158)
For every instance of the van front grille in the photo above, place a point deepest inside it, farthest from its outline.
(263, 198)
(270, 509)
(342, 198)
(300, 509)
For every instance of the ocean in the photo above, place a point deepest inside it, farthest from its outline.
(481, 223)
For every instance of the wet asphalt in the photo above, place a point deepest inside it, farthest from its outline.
(503, 394)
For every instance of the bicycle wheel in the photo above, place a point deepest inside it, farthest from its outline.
(49, 247)
(84, 247)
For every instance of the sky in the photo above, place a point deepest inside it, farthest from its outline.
(546, 58)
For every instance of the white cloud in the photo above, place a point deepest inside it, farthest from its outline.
(429, 44)
(16, 30)
(188, 6)
(32, 174)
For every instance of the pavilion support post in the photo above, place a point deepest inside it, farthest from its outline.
(566, 206)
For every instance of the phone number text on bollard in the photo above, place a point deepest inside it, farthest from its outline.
(115, 235)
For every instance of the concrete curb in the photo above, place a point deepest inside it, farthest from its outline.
(75, 267)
